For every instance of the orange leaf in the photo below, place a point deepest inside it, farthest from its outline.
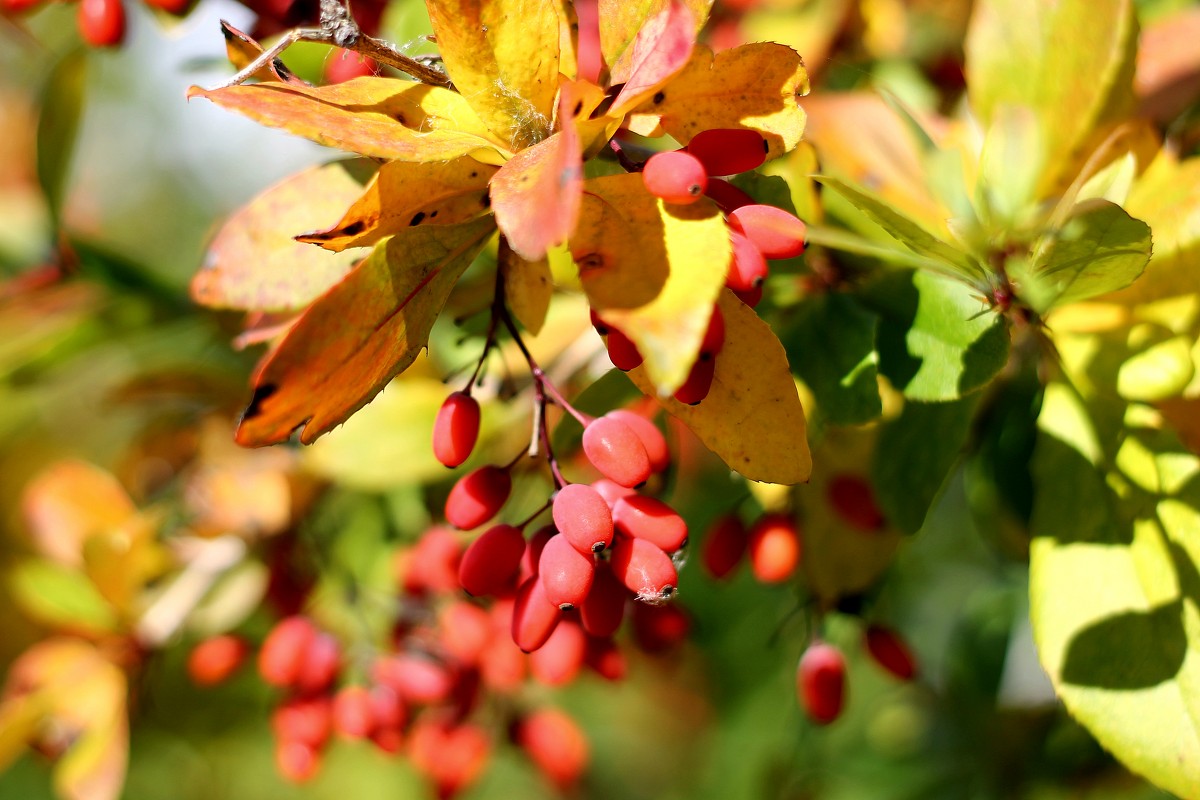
(254, 264)
(70, 502)
(242, 51)
(661, 48)
(622, 20)
(404, 194)
(360, 334)
(377, 117)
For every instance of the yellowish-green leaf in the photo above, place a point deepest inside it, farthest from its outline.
(254, 264)
(752, 417)
(60, 596)
(503, 56)
(404, 194)
(1159, 371)
(652, 270)
(377, 117)
(359, 335)
(620, 22)
(753, 86)
(528, 287)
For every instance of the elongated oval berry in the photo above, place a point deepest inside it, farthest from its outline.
(644, 568)
(466, 630)
(490, 564)
(415, 678)
(726, 195)
(698, 383)
(612, 491)
(304, 719)
(728, 151)
(774, 545)
(724, 545)
(604, 607)
(321, 664)
(387, 709)
(821, 682)
(775, 232)
(533, 551)
(853, 501)
(622, 352)
(615, 449)
(714, 334)
(432, 565)
(651, 437)
(583, 517)
(534, 617)
(676, 177)
(284, 650)
(456, 429)
(565, 573)
(477, 497)
(890, 652)
(556, 745)
(101, 22)
(651, 519)
(747, 268)
(558, 661)
(353, 717)
(659, 628)
(215, 659)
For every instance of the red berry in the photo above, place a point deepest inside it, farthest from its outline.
(583, 517)
(676, 177)
(565, 573)
(612, 491)
(433, 563)
(714, 334)
(414, 678)
(533, 551)
(304, 719)
(622, 352)
(728, 151)
(604, 607)
(101, 22)
(698, 383)
(558, 661)
(352, 713)
(615, 449)
(644, 568)
(650, 519)
(556, 745)
(177, 7)
(751, 298)
(466, 630)
(852, 499)
(490, 564)
(659, 628)
(18, 6)
(890, 652)
(534, 617)
(387, 709)
(297, 762)
(775, 232)
(727, 196)
(284, 650)
(606, 659)
(344, 65)
(774, 544)
(215, 659)
(747, 268)
(453, 756)
(320, 665)
(456, 429)
(821, 682)
(388, 740)
(724, 545)
(649, 434)
(477, 497)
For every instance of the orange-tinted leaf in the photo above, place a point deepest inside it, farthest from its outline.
(360, 334)
(70, 502)
(753, 86)
(528, 287)
(404, 194)
(503, 56)
(254, 264)
(752, 417)
(243, 50)
(377, 117)
(622, 20)
(660, 50)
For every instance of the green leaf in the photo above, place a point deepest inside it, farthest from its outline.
(914, 455)
(831, 346)
(934, 344)
(943, 257)
(61, 108)
(359, 335)
(1114, 585)
(60, 596)
(1099, 249)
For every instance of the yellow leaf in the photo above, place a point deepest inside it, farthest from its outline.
(752, 417)
(528, 287)
(651, 270)
(70, 502)
(403, 194)
(753, 86)
(377, 117)
(568, 38)
(503, 57)
(620, 22)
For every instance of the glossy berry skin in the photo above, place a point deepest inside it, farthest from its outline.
(649, 434)
(284, 651)
(415, 679)
(321, 664)
(644, 568)
(714, 334)
(728, 151)
(489, 565)
(774, 547)
(604, 607)
(821, 682)
(727, 196)
(775, 232)
(747, 268)
(556, 745)
(583, 517)
(651, 519)
(559, 660)
(698, 383)
(215, 659)
(853, 501)
(565, 573)
(533, 551)
(101, 22)
(477, 497)
(890, 652)
(676, 177)
(724, 545)
(615, 449)
(612, 491)
(534, 617)
(622, 352)
(456, 429)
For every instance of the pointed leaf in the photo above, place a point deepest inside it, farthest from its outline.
(831, 346)
(58, 124)
(242, 51)
(622, 20)
(254, 264)
(528, 288)
(403, 194)
(377, 117)
(752, 417)
(753, 86)
(652, 270)
(503, 57)
(662, 48)
(360, 334)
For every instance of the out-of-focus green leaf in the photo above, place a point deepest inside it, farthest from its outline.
(933, 342)
(831, 346)
(60, 596)
(58, 125)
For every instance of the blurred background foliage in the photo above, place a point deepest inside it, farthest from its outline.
(111, 184)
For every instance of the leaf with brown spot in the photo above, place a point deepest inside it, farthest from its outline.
(377, 117)
(254, 264)
(660, 50)
(403, 194)
(359, 335)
